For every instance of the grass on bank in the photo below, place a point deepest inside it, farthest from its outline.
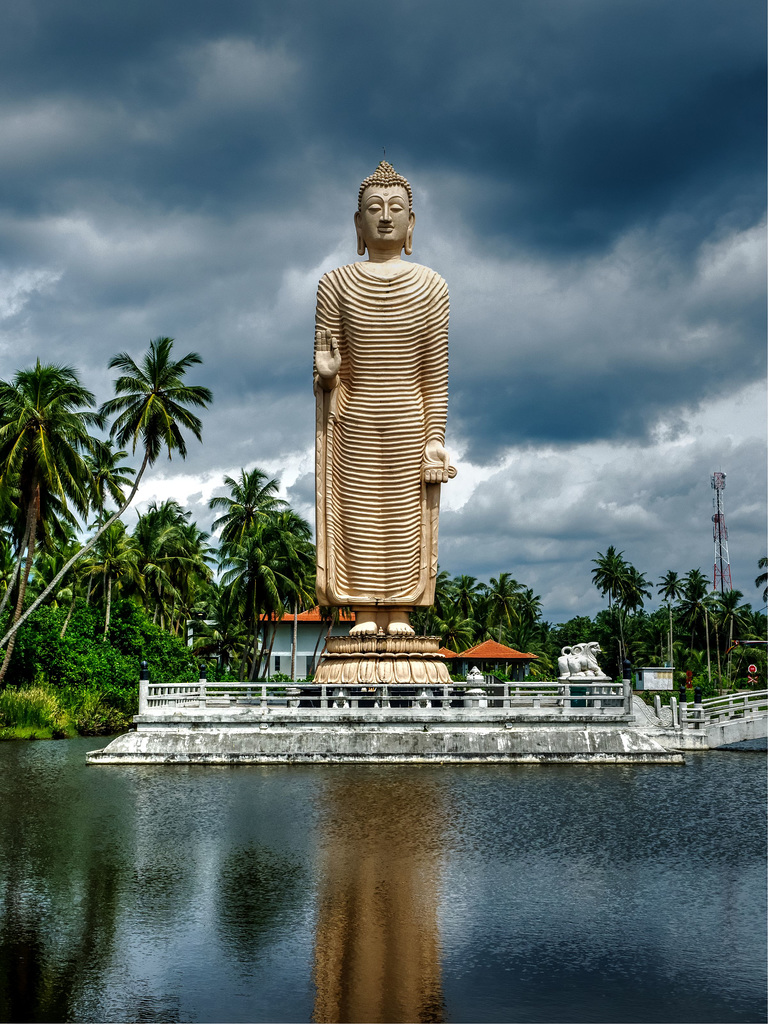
(44, 713)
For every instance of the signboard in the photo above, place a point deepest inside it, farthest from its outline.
(752, 669)
(658, 677)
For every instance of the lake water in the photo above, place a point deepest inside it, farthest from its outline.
(459, 893)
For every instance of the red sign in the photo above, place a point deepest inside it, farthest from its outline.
(752, 669)
(752, 680)
(688, 676)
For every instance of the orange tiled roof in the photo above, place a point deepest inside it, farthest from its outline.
(446, 653)
(490, 650)
(313, 615)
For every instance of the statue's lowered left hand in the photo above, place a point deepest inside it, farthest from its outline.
(437, 464)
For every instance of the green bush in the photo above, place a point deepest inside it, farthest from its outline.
(99, 712)
(97, 679)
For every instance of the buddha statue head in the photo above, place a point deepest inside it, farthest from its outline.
(384, 219)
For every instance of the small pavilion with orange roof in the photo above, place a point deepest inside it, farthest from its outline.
(493, 657)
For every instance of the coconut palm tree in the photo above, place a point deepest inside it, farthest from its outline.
(670, 588)
(527, 608)
(191, 571)
(151, 408)
(249, 567)
(75, 579)
(51, 554)
(13, 516)
(152, 400)
(115, 558)
(225, 636)
(8, 563)
(49, 558)
(545, 666)
(155, 538)
(443, 591)
(294, 556)
(762, 579)
(754, 624)
(174, 560)
(290, 555)
(45, 416)
(501, 596)
(466, 594)
(692, 607)
(108, 476)
(457, 631)
(252, 498)
(611, 577)
(635, 590)
(610, 573)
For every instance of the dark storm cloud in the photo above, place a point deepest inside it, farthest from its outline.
(588, 177)
(569, 121)
(622, 395)
(551, 127)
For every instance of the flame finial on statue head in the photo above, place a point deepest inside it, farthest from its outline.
(386, 176)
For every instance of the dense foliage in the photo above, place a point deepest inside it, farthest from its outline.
(692, 621)
(80, 658)
(76, 618)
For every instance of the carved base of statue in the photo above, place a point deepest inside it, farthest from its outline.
(383, 660)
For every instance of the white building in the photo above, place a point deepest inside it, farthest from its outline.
(311, 631)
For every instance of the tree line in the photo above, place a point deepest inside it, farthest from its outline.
(694, 629)
(65, 473)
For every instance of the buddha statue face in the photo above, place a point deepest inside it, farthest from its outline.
(384, 222)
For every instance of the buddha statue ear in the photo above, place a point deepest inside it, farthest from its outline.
(408, 247)
(360, 239)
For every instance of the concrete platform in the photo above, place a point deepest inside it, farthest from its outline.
(243, 735)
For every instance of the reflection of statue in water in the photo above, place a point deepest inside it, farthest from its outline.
(377, 946)
(381, 381)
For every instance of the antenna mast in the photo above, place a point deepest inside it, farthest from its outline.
(722, 577)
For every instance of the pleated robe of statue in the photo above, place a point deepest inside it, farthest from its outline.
(376, 519)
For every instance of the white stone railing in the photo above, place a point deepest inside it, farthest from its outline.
(719, 709)
(575, 698)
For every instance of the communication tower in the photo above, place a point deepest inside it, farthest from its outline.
(722, 579)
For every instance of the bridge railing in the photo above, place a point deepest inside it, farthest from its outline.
(720, 709)
(576, 698)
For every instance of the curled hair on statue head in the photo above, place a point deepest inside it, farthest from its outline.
(385, 176)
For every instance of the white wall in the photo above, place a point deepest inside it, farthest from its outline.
(307, 637)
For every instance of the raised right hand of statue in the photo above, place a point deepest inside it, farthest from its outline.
(327, 357)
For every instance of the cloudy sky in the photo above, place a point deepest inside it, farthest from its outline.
(589, 178)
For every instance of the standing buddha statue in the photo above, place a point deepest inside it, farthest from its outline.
(381, 383)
